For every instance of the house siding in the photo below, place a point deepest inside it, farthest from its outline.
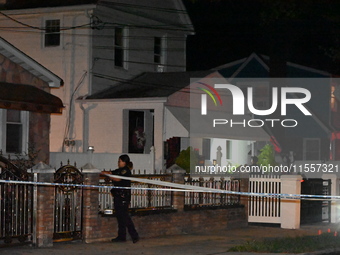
(84, 59)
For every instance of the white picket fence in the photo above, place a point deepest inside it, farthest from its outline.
(264, 209)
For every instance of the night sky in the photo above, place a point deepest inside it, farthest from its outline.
(305, 32)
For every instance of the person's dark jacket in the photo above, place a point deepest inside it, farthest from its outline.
(122, 195)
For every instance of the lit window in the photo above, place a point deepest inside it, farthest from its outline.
(52, 33)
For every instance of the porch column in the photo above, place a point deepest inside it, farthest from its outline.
(43, 208)
(333, 192)
(290, 208)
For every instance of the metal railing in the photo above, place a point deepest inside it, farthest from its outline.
(141, 196)
(16, 204)
(209, 199)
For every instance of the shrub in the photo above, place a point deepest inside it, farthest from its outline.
(187, 159)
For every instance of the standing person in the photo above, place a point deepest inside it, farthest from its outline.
(122, 198)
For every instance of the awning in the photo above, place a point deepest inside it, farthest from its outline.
(28, 98)
(203, 128)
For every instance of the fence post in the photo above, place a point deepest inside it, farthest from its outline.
(178, 198)
(290, 208)
(90, 203)
(244, 187)
(44, 211)
(334, 191)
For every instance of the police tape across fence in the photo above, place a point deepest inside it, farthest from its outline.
(178, 187)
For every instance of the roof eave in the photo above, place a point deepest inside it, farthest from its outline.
(44, 10)
(14, 54)
(122, 100)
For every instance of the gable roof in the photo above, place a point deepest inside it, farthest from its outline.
(29, 64)
(149, 85)
(259, 66)
(171, 13)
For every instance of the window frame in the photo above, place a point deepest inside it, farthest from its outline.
(161, 54)
(305, 147)
(46, 33)
(24, 118)
(123, 47)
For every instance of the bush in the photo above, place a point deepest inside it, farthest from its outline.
(187, 159)
(267, 156)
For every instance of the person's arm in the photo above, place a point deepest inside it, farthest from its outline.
(115, 172)
(106, 173)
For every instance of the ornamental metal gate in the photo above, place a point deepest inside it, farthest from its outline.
(16, 204)
(313, 211)
(68, 205)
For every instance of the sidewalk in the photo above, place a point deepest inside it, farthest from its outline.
(199, 244)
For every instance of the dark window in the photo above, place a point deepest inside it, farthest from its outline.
(206, 148)
(119, 47)
(13, 132)
(52, 33)
(157, 50)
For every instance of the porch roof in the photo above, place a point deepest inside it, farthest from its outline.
(28, 98)
(150, 85)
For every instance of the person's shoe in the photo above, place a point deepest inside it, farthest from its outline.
(118, 240)
(135, 240)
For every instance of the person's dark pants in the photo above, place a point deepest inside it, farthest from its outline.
(124, 221)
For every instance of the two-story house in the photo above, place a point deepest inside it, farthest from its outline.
(93, 47)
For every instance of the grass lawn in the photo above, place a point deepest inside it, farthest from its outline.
(290, 244)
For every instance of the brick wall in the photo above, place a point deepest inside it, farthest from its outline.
(174, 223)
(97, 227)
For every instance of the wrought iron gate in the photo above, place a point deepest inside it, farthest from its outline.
(68, 205)
(16, 204)
(312, 211)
